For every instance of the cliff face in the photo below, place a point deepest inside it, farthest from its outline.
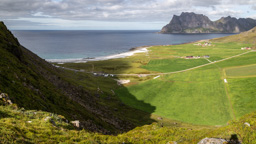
(198, 23)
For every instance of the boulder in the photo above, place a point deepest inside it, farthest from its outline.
(212, 141)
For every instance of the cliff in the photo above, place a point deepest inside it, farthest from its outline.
(198, 23)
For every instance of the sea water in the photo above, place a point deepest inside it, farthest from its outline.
(91, 44)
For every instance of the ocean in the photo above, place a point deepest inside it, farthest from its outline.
(99, 43)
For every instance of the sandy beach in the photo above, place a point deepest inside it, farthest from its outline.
(115, 56)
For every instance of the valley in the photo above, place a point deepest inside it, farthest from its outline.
(172, 93)
(188, 90)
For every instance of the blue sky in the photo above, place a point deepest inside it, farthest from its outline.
(113, 14)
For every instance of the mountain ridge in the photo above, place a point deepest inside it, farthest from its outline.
(189, 22)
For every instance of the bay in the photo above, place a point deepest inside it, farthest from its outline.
(83, 44)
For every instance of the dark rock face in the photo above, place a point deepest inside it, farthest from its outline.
(198, 23)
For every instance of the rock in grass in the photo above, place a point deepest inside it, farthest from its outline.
(47, 118)
(212, 141)
(247, 124)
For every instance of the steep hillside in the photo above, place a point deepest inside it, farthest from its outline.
(30, 126)
(244, 37)
(198, 23)
(33, 83)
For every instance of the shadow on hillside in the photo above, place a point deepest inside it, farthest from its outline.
(131, 108)
(127, 106)
(4, 115)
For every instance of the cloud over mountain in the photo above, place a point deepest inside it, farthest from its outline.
(118, 10)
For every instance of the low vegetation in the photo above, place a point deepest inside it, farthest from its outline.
(174, 103)
(30, 126)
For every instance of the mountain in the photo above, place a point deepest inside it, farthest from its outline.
(33, 83)
(199, 23)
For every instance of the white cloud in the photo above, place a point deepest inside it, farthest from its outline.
(121, 10)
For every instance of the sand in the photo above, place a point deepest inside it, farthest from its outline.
(115, 56)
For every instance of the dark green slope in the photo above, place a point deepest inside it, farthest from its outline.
(33, 83)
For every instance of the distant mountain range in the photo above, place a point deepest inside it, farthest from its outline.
(199, 23)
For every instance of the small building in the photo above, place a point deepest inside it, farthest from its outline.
(246, 48)
(189, 57)
(206, 56)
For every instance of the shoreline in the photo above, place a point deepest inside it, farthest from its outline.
(132, 51)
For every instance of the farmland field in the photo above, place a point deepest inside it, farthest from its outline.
(242, 91)
(171, 65)
(197, 96)
(242, 71)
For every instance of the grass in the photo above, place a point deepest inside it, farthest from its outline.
(167, 56)
(195, 97)
(243, 60)
(30, 126)
(176, 107)
(241, 71)
(247, 37)
(171, 65)
(242, 91)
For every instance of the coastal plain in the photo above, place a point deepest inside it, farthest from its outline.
(190, 90)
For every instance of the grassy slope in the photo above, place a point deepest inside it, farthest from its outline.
(247, 37)
(200, 84)
(196, 97)
(18, 126)
(243, 95)
(35, 84)
(28, 87)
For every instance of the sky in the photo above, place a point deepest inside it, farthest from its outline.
(113, 14)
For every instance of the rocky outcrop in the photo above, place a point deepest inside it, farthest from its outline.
(199, 23)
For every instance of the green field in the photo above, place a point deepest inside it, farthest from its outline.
(161, 59)
(171, 65)
(242, 91)
(242, 71)
(197, 96)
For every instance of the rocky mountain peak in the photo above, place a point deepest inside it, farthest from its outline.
(190, 22)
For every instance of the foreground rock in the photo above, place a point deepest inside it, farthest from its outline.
(212, 141)
(198, 23)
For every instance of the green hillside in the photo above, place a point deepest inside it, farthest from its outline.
(30, 126)
(33, 83)
(170, 96)
(248, 37)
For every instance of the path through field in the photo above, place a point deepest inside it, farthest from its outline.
(185, 69)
